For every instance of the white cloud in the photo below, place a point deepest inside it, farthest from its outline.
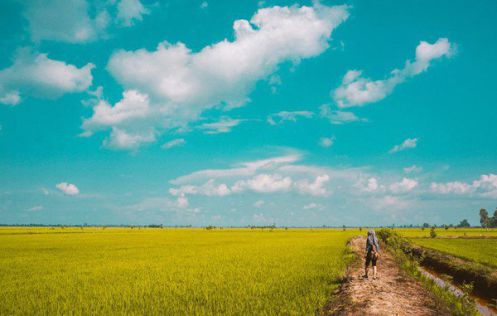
(372, 185)
(292, 116)
(132, 106)
(182, 201)
(485, 186)
(406, 144)
(245, 169)
(68, 188)
(264, 183)
(174, 143)
(316, 187)
(369, 185)
(160, 204)
(78, 21)
(35, 208)
(224, 125)
(311, 206)
(451, 187)
(121, 139)
(357, 90)
(39, 76)
(413, 169)
(339, 117)
(129, 11)
(326, 141)
(11, 98)
(210, 188)
(403, 186)
(181, 83)
(268, 176)
(61, 20)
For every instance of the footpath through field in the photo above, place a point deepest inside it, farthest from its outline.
(392, 293)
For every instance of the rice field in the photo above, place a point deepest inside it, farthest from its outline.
(483, 251)
(169, 271)
(450, 232)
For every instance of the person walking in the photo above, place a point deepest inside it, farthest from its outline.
(372, 253)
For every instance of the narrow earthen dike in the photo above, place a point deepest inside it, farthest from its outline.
(393, 293)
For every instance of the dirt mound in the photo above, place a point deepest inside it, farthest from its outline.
(392, 293)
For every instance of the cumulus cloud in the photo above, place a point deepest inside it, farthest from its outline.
(68, 188)
(182, 83)
(406, 144)
(287, 177)
(356, 90)
(129, 11)
(37, 75)
(132, 106)
(174, 143)
(369, 185)
(224, 125)
(317, 187)
(339, 117)
(413, 169)
(292, 116)
(372, 185)
(274, 175)
(264, 183)
(405, 185)
(62, 20)
(311, 206)
(485, 186)
(123, 140)
(326, 141)
(78, 21)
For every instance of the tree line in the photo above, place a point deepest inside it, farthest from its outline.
(487, 221)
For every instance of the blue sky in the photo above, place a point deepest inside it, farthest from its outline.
(247, 112)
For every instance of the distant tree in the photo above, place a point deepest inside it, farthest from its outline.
(433, 233)
(493, 220)
(484, 219)
(426, 225)
(446, 227)
(344, 227)
(464, 223)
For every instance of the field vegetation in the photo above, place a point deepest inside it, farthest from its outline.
(483, 251)
(449, 232)
(169, 271)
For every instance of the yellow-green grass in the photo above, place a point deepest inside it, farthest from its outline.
(451, 232)
(169, 271)
(478, 250)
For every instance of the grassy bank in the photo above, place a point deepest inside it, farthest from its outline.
(409, 262)
(483, 251)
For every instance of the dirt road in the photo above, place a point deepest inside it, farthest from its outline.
(392, 293)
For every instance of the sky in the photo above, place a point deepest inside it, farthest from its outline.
(247, 112)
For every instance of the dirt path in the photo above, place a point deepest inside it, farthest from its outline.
(392, 293)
